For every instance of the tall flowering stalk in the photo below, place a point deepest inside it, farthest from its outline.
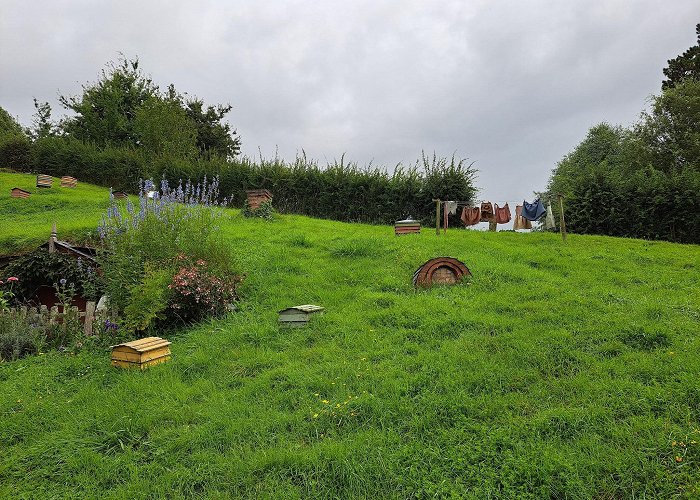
(150, 234)
(168, 206)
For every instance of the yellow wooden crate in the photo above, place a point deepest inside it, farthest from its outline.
(141, 353)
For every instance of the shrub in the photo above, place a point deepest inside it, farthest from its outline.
(198, 293)
(17, 337)
(143, 246)
(15, 152)
(41, 268)
(264, 210)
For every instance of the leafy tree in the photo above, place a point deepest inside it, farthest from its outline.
(125, 108)
(106, 111)
(8, 125)
(163, 128)
(671, 130)
(42, 126)
(685, 66)
(214, 137)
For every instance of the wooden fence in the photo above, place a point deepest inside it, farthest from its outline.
(45, 316)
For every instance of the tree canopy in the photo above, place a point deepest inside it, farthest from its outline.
(126, 108)
(686, 65)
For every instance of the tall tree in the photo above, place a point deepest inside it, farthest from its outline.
(685, 66)
(8, 125)
(214, 136)
(42, 125)
(106, 110)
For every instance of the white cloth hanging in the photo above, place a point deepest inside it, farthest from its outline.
(451, 207)
(549, 218)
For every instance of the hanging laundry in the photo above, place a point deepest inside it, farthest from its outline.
(451, 207)
(471, 215)
(486, 211)
(502, 214)
(549, 220)
(534, 210)
(520, 222)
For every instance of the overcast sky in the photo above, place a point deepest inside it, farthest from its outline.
(513, 86)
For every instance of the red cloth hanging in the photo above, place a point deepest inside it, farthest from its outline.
(486, 211)
(502, 214)
(471, 215)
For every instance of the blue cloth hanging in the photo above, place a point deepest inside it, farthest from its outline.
(533, 211)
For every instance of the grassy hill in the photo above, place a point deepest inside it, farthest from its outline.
(561, 370)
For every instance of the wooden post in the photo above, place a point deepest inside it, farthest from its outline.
(492, 224)
(53, 238)
(444, 219)
(562, 224)
(89, 317)
(437, 217)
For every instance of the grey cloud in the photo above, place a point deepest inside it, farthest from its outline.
(511, 85)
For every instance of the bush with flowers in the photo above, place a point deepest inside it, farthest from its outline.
(147, 245)
(197, 292)
(6, 294)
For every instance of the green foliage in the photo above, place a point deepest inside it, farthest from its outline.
(148, 299)
(143, 248)
(684, 67)
(124, 108)
(214, 137)
(8, 125)
(105, 113)
(41, 268)
(264, 210)
(17, 338)
(671, 131)
(163, 128)
(15, 152)
(42, 126)
(641, 183)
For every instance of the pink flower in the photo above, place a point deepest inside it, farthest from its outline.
(13, 278)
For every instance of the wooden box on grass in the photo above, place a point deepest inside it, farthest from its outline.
(141, 353)
(298, 316)
(44, 181)
(406, 226)
(68, 182)
(19, 193)
(257, 197)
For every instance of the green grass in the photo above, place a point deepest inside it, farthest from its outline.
(26, 222)
(562, 371)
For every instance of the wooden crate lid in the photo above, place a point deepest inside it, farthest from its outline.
(307, 308)
(259, 192)
(19, 189)
(407, 221)
(142, 345)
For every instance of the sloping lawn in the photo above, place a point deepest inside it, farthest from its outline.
(561, 370)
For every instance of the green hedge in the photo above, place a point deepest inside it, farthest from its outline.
(340, 191)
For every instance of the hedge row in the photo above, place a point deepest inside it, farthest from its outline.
(645, 204)
(339, 191)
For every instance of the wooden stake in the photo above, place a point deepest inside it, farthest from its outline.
(444, 219)
(562, 224)
(437, 217)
